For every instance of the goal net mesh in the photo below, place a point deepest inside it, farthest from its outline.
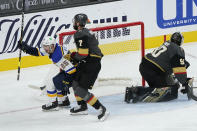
(122, 46)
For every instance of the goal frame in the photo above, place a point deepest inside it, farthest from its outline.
(139, 23)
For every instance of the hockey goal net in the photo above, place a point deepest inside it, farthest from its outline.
(122, 46)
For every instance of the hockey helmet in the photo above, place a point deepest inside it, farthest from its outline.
(82, 19)
(48, 41)
(177, 38)
(48, 44)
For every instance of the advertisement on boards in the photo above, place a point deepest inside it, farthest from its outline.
(39, 25)
(14, 7)
(159, 16)
(184, 11)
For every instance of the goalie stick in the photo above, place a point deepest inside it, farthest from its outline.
(190, 90)
(193, 96)
(190, 93)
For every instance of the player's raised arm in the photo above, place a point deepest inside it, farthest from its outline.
(28, 49)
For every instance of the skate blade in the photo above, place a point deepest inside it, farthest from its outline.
(79, 113)
(51, 110)
(104, 117)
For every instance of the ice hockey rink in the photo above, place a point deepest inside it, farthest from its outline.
(20, 108)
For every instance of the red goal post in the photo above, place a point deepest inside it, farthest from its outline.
(112, 27)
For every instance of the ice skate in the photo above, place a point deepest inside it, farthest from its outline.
(51, 106)
(103, 113)
(79, 110)
(64, 104)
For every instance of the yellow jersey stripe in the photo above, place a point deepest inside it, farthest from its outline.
(97, 56)
(83, 51)
(179, 70)
(155, 64)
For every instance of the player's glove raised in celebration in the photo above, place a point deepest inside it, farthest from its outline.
(22, 45)
(28, 49)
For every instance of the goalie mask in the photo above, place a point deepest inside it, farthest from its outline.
(80, 20)
(177, 38)
(48, 44)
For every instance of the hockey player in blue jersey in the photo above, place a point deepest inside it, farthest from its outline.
(58, 84)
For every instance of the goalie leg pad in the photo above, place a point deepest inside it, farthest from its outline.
(157, 94)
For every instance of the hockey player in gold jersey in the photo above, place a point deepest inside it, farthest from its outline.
(157, 68)
(88, 57)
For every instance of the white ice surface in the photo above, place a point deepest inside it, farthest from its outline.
(20, 106)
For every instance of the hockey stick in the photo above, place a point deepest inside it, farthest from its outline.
(190, 90)
(37, 87)
(21, 38)
(190, 93)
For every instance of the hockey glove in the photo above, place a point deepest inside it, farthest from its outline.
(74, 62)
(68, 57)
(28, 49)
(73, 54)
(22, 45)
(187, 64)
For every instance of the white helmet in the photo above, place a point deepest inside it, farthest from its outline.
(48, 43)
